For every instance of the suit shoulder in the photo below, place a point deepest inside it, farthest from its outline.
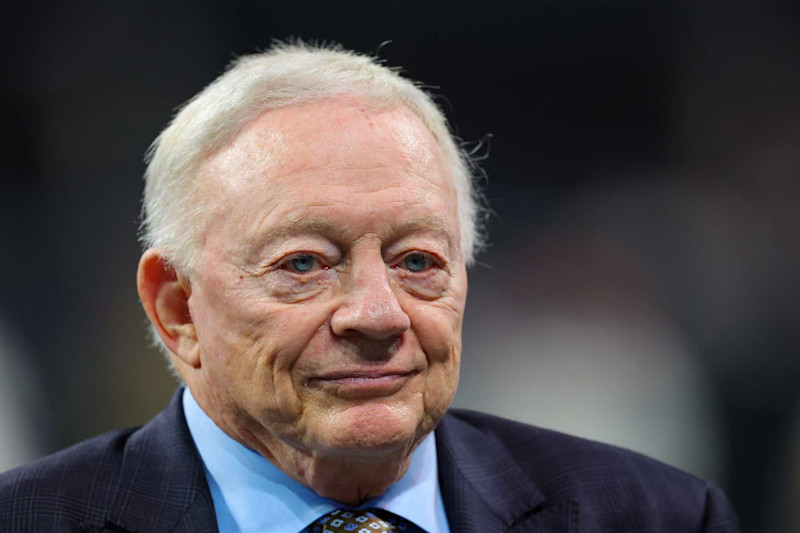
(530, 445)
(568, 467)
(76, 482)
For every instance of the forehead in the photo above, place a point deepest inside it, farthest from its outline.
(301, 155)
(328, 132)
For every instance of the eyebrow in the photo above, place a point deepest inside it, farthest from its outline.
(290, 228)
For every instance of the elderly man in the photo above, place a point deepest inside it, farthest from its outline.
(308, 221)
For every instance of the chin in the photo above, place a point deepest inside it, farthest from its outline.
(374, 428)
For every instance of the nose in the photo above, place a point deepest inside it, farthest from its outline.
(369, 305)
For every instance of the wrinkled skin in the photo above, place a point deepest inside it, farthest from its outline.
(324, 316)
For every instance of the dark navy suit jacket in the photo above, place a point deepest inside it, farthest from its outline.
(495, 475)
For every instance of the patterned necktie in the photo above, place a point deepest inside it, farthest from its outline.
(372, 520)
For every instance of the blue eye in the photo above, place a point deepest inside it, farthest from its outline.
(303, 263)
(416, 262)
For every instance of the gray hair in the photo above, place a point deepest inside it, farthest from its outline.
(284, 75)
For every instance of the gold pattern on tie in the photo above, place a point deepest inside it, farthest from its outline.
(364, 521)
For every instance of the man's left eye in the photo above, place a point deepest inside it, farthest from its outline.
(302, 263)
(417, 262)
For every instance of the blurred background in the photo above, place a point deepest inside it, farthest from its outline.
(642, 157)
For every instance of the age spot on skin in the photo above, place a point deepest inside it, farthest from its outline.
(367, 115)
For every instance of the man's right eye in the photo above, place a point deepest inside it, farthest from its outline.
(302, 263)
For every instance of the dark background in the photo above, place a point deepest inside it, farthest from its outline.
(642, 283)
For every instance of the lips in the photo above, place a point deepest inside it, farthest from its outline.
(361, 374)
(366, 383)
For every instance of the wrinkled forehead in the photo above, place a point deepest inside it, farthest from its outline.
(329, 133)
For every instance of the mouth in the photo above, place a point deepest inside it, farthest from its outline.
(362, 384)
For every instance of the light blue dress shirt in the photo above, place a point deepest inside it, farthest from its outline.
(251, 495)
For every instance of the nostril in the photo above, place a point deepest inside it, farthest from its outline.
(358, 347)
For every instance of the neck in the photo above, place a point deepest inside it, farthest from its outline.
(347, 478)
(351, 481)
(350, 477)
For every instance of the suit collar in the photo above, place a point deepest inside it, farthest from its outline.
(484, 488)
(162, 485)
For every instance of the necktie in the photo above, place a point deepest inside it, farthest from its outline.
(371, 520)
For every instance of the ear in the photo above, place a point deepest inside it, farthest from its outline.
(165, 297)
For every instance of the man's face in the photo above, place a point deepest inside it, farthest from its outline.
(330, 292)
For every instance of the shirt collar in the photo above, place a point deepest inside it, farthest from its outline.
(242, 480)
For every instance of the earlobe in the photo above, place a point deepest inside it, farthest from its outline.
(165, 297)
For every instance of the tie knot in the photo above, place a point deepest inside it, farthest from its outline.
(371, 520)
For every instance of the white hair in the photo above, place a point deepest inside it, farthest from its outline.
(285, 75)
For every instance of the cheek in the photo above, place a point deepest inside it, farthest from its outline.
(441, 342)
(260, 339)
(437, 324)
(438, 330)
(252, 350)
(232, 332)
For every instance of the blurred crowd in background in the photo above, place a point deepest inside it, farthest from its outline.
(641, 158)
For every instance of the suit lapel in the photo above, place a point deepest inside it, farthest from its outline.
(484, 490)
(162, 486)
